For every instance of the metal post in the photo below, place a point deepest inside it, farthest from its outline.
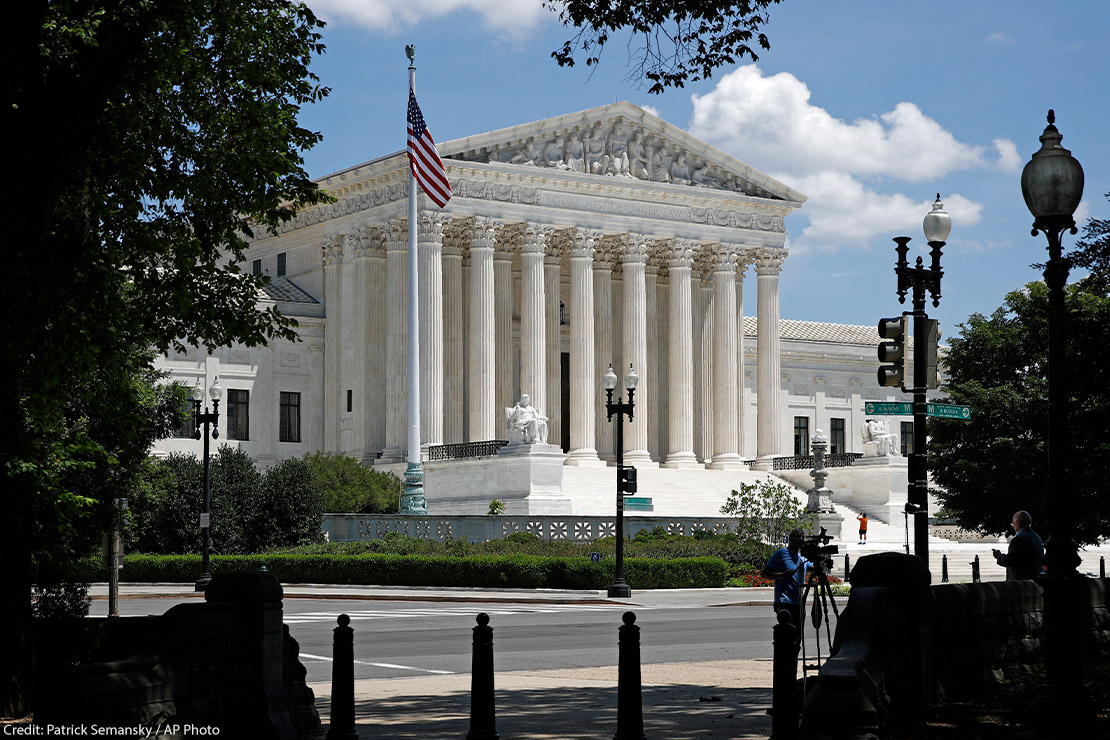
(1101, 566)
(944, 568)
(343, 682)
(975, 570)
(483, 720)
(784, 691)
(619, 589)
(113, 563)
(847, 568)
(630, 708)
(918, 492)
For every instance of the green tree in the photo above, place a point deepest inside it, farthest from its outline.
(996, 463)
(765, 513)
(673, 42)
(292, 509)
(348, 486)
(149, 140)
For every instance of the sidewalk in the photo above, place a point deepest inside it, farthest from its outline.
(724, 699)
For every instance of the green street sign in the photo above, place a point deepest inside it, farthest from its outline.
(888, 408)
(948, 411)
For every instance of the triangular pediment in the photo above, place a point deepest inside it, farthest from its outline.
(620, 140)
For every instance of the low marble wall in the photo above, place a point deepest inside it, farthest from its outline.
(354, 527)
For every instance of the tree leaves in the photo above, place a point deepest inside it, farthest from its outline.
(672, 41)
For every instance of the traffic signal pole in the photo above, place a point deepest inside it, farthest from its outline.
(918, 484)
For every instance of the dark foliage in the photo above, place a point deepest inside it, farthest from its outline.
(673, 42)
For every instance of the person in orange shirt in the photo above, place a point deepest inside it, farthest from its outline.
(862, 528)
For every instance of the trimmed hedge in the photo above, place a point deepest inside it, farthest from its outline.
(482, 571)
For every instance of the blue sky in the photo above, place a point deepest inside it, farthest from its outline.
(870, 108)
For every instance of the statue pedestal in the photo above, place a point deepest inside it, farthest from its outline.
(527, 478)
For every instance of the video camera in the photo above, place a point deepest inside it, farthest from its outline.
(817, 549)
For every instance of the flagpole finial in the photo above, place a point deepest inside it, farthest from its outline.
(410, 52)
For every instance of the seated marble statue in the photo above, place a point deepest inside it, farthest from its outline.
(525, 423)
(876, 433)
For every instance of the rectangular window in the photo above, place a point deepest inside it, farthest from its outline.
(907, 438)
(836, 437)
(187, 429)
(801, 435)
(350, 400)
(281, 264)
(256, 268)
(238, 414)
(289, 428)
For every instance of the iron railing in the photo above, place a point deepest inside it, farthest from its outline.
(465, 450)
(805, 462)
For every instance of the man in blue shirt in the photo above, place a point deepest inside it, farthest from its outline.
(788, 568)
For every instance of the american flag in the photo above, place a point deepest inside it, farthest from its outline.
(427, 167)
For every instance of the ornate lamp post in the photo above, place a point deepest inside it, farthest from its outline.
(206, 418)
(626, 477)
(919, 279)
(1052, 185)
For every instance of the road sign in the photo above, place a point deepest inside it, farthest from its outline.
(888, 408)
(948, 411)
(595, 557)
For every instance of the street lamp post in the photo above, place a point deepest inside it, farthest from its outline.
(1052, 185)
(205, 419)
(620, 589)
(919, 279)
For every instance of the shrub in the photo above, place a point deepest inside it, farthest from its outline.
(765, 513)
(291, 509)
(348, 486)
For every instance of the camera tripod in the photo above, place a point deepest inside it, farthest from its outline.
(819, 613)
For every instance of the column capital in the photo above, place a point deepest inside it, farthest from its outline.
(535, 238)
(367, 241)
(483, 232)
(430, 226)
(725, 258)
(397, 235)
(558, 243)
(705, 260)
(633, 248)
(456, 237)
(331, 248)
(768, 261)
(680, 253)
(584, 243)
(508, 238)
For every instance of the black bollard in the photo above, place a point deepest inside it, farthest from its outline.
(975, 570)
(1101, 566)
(483, 719)
(944, 569)
(343, 682)
(847, 569)
(630, 708)
(784, 682)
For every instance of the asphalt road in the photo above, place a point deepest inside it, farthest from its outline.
(397, 639)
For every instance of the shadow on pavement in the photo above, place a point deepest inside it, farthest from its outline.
(674, 712)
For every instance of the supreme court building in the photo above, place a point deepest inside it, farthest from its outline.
(601, 237)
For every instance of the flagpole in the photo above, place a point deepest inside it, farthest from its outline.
(413, 501)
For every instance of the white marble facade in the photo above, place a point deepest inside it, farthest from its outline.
(605, 236)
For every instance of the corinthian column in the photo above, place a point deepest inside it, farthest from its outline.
(453, 371)
(553, 403)
(503, 317)
(634, 334)
(396, 341)
(482, 343)
(680, 370)
(768, 263)
(603, 343)
(533, 373)
(332, 248)
(430, 245)
(703, 363)
(726, 388)
(583, 376)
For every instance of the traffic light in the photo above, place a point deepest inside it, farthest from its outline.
(896, 330)
(628, 479)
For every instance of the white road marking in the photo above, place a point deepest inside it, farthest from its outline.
(457, 611)
(325, 658)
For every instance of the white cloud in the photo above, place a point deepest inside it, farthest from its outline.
(999, 37)
(650, 109)
(770, 123)
(1008, 158)
(843, 212)
(516, 17)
